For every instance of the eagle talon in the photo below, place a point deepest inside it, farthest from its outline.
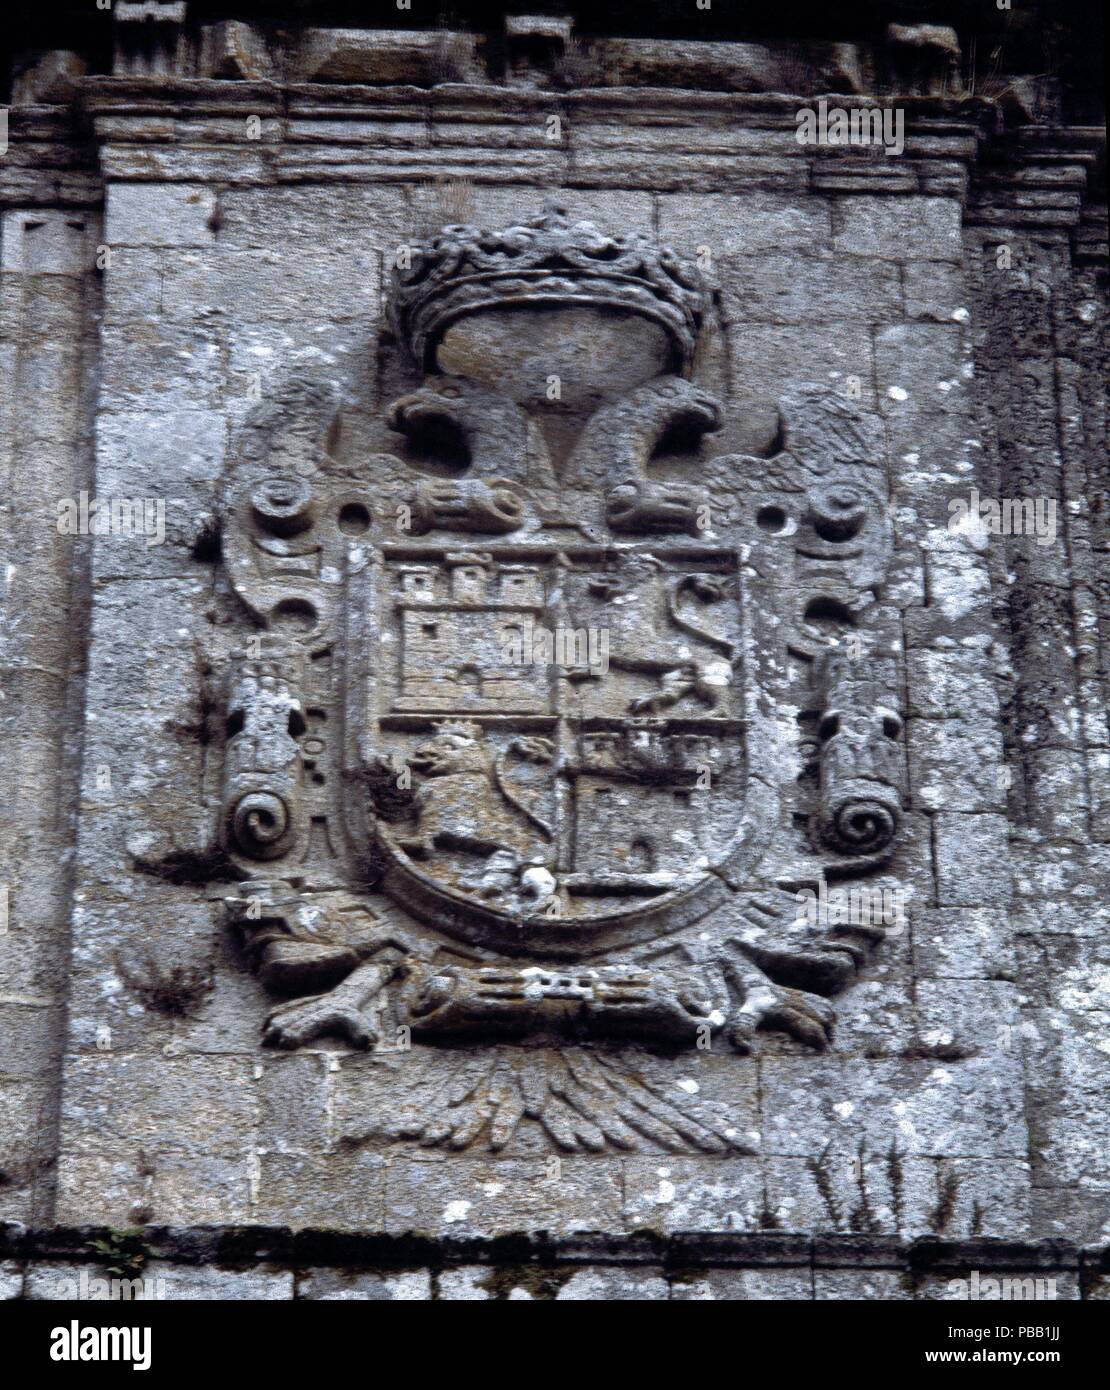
(293, 1025)
(339, 1013)
(805, 1017)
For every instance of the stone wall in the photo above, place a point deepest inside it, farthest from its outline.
(258, 1263)
(190, 244)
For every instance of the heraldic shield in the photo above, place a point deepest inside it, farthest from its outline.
(554, 739)
(543, 708)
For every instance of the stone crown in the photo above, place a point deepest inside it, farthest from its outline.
(548, 261)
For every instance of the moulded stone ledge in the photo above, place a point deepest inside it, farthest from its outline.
(696, 139)
(232, 1246)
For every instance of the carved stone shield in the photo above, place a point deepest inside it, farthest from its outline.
(525, 703)
(556, 743)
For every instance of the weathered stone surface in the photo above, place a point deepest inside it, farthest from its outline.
(225, 1285)
(907, 229)
(101, 1265)
(559, 753)
(729, 1285)
(336, 1285)
(612, 1285)
(921, 1110)
(160, 215)
(745, 226)
(881, 1285)
(11, 1280)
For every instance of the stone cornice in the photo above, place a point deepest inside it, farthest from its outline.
(248, 1245)
(632, 138)
(164, 94)
(50, 160)
(200, 130)
(1037, 178)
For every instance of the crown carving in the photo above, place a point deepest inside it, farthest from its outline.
(547, 260)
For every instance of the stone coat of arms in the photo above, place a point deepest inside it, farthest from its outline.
(515, 722)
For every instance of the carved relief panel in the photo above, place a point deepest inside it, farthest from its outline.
(509, 737)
